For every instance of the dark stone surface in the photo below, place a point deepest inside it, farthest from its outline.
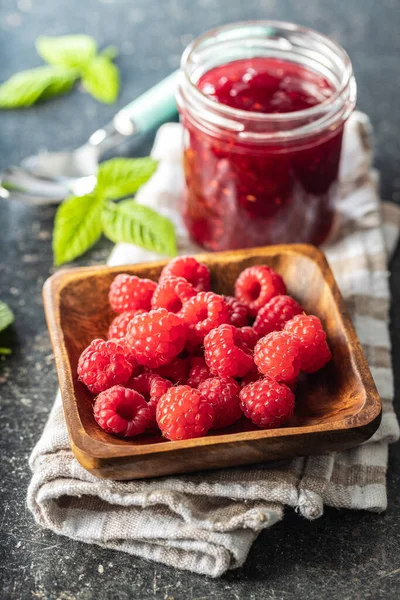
(343, 555)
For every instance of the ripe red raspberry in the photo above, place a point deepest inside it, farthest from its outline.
(136, 368)
(119, 325)
(151, 387)
(128, 292)
(188, 267)
(223, 394)
(274, 315)
(176, 371)
(121, 411)
(277, 355)
(171, 293)
(238, 311)
(256, 285)
(267, 403)
(249, 336)
(226, 353)
(199, 371)
(314, 349)
(203, 313)
(104, 364)
(182, 413)
(156, 338)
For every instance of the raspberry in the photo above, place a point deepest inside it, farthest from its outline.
(267, 403)
(188, 267)
(104, 364)
(274, 315)
(277, 355)
(238, 311)
(119, 325)
(151, 387)
(182, 413)
(256, 285)
(171, 293)
(314, 349)
(177, 371)
(202, 313)
(223, 394)
(128, 292)
(121, 411)
(199, 371)
(226, 354)
(156, 338)
(136, 368)
(249, 336)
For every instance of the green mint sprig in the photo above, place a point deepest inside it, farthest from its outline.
(81, 220)
(6, 319)
(69, 58)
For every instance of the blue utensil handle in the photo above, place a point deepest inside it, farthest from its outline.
(154, 107)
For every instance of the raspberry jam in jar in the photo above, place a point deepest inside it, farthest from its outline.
(263, 105)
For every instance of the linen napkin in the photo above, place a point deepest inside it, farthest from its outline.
(206, 522)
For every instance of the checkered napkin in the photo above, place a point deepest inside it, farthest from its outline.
(206, 522)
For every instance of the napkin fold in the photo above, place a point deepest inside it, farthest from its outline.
(206, 522)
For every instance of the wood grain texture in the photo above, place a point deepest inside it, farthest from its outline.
(336, 408)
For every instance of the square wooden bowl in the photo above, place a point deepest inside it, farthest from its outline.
(336, 408)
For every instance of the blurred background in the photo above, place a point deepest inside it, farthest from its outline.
(151, 35)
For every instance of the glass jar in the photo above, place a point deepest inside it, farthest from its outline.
(260, 177)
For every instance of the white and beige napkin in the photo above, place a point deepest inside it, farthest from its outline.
(207, 522)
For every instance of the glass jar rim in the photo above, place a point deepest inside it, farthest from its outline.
(236, 113)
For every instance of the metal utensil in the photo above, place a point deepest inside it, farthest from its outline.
(49, 177)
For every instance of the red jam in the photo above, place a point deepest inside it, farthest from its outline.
(265, 85)
(241, 192)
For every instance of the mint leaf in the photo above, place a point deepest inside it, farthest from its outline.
(73, 51)
(110, 52)
(77, 227)
(100, 78)
(121, 177)
(80, 221)
(6, 316)
(134, 223)
(61, 83)
(70, 57)
(27, 87)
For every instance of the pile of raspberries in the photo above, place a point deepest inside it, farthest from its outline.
(181, 359)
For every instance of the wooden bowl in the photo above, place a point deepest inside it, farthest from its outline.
(336, 408)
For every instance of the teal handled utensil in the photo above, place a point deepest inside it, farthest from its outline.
(49, 177)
